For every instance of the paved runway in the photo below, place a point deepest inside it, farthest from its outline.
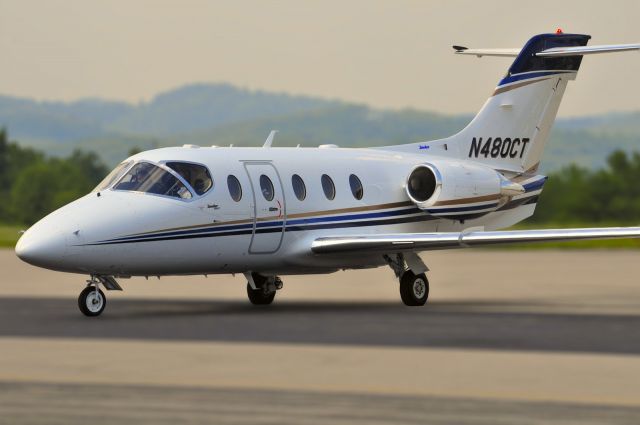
(108, 404)
(445, 324)
(509, 337)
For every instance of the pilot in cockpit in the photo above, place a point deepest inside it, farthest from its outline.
(141, 174)
(198, 186)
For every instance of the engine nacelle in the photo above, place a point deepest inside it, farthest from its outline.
(460, 189)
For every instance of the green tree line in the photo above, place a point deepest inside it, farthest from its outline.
(579, 195)
(32, 185)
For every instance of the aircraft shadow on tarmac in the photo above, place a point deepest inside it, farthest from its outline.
(459, 324)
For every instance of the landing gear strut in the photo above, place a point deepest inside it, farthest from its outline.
(92, 300)
(262, 289)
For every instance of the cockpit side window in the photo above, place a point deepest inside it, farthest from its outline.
(196, 175)
(148, 178)
(112, 176)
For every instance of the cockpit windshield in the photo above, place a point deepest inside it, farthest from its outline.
(112, 176)
(149, 178)
(196, 175)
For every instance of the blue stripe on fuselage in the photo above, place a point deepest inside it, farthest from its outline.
(535, 185)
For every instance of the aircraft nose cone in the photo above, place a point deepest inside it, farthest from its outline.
(41, 249)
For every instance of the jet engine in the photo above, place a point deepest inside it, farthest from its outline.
(453, 188)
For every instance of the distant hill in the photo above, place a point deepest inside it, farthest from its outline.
(222, 114)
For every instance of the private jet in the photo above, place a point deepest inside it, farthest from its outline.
(270, 211)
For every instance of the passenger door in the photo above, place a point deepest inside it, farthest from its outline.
(269, 212)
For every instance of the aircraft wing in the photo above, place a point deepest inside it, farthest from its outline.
(401, 242)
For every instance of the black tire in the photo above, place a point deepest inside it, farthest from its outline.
(90, 305)
(414, 289)
(259, 296)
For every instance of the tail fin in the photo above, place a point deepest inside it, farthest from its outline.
(512, 128)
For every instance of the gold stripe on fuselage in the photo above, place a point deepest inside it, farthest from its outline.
(516, 86)
(467, 200)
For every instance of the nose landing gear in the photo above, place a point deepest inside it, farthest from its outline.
(92, 300)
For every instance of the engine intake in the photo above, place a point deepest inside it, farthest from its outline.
(422, 183)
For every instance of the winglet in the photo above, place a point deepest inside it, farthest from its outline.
(269, 141)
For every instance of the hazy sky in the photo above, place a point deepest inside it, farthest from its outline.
(387, 54)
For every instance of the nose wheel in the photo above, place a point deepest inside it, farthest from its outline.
(92, 301)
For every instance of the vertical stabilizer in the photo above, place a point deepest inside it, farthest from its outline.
(512, 128)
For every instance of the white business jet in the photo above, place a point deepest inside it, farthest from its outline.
(268, 212)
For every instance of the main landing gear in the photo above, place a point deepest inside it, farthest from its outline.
(92, 300)
(414, 285)
(414, 289)
(261, 290)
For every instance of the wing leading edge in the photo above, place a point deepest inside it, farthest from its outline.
(403, 242)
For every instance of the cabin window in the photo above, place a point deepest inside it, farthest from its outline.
(356, 186)
(196, 175)
(266, 187)
(298, 187)
(113, 176)
(235, 190)
(148, 178)
(328, 187)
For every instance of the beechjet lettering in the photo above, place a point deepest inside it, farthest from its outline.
(268, 212)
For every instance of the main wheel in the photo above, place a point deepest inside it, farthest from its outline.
(414, 289)
(260, 296)
(92, 301)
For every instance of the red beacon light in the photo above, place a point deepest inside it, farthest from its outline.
(559, 31)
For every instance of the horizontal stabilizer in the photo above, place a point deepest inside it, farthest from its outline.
(509, 53)
(587, 50)
(431, 241)
(554, 52)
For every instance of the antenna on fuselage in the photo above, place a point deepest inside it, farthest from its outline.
(269, 141)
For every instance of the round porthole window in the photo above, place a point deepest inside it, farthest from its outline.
(235, 190)
(266, 187)
(328, 187)
(356, 187)
(299, 188)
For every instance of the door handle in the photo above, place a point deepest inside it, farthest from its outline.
(214, 206)
(273, 209)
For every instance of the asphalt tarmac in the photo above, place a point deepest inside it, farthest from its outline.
(524, 337)
(109, 404)
(443, 324)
